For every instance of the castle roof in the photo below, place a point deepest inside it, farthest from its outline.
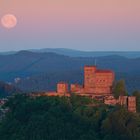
(104, 71)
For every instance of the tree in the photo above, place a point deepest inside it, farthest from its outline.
(46, 118)
(63, 118)
(119, 89)
(122, 124)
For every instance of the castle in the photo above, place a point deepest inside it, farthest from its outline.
(97, 84)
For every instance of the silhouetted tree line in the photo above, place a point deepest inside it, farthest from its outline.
(74, 118)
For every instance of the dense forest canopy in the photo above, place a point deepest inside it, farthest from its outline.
(74, 118)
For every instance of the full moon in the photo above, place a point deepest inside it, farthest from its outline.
(9, 21)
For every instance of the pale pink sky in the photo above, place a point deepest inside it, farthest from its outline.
(85, 24)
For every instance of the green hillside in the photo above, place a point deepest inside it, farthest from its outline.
(75, 118)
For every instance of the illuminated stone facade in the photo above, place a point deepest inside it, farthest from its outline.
(96, 82)
(127, 101)
(62, 88)
(132, 104)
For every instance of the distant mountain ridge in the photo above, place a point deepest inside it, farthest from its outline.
(30, 63)
(78, 53)
(41, 71)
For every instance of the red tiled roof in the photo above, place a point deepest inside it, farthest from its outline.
(104, 71)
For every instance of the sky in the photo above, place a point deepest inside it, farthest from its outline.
(96, 25)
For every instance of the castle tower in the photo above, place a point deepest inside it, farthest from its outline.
(89, 78)
(132, 104)
(62, 88)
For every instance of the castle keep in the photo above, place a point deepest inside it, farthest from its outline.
(96, 82)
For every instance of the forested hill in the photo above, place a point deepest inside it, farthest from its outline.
(75, 118)
(33, 67)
